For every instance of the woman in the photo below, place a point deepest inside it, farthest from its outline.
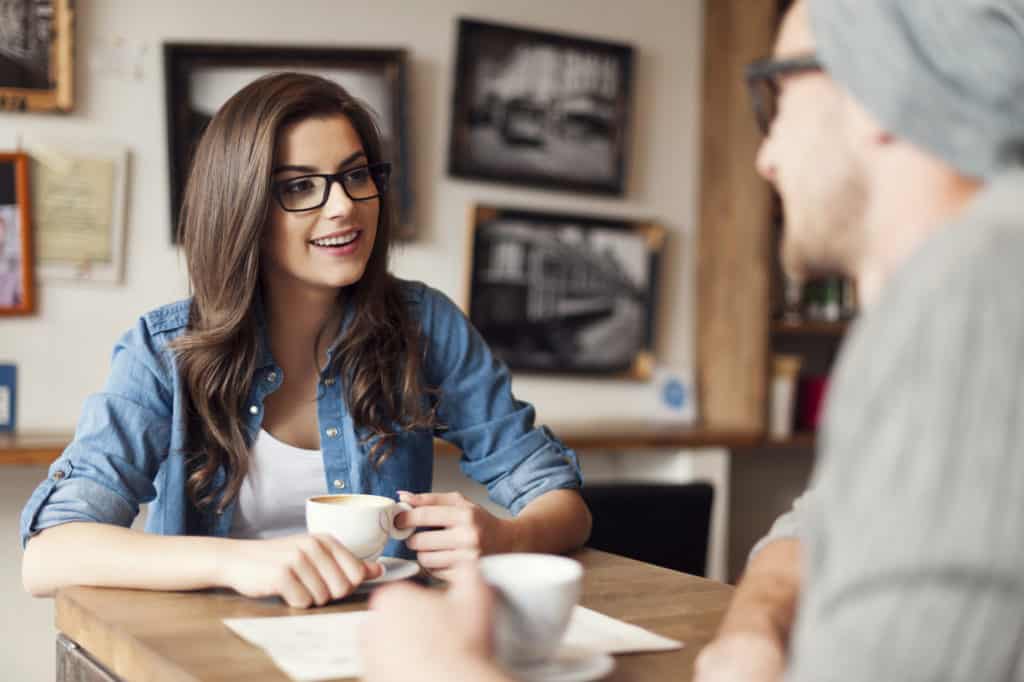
(298, 361)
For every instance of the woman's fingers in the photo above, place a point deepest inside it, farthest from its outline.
(355, 570)
(308, 574)
(446, 558)
(435, 516)
(462, 537)
(434, 499)
(293, 591)
(326, 563)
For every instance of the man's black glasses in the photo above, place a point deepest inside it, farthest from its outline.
(763, 78)
(306, 192)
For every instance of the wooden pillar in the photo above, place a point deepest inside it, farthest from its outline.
(734, 237)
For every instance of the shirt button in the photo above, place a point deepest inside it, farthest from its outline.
(272, 377)
(329, 381)
(339, 484)
(253, 409)
(332, 432)
(58, 475)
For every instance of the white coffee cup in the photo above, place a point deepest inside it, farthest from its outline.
(536, 597)
(363, 523)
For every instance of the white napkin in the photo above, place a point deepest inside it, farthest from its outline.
(325, 646)
(598, 632)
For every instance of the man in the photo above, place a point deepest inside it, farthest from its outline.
(898, 150)
(874, 157)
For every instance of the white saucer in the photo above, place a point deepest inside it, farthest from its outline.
(570, 664)
(394, 569)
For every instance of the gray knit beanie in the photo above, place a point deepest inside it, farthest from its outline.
(946, 75)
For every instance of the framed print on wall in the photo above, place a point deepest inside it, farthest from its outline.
(79, 190)
(540, 109)
(199, 78)
(17, 294)
(36, 55)
(569, 294)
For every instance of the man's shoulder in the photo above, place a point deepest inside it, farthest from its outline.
(980, 249)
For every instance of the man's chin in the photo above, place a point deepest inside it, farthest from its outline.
(802, 264)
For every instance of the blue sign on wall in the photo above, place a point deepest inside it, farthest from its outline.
(8, 395)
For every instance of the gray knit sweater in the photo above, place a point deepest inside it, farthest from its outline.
(914, 531)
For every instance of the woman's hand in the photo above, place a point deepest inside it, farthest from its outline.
(302, 569)
(459, 530)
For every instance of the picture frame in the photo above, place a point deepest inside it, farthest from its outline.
(37, 55)
(79, 197)
(199, 77)
(554, 293)
(17, 284)
(540, 109)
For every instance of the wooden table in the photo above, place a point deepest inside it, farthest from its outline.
(164, 636)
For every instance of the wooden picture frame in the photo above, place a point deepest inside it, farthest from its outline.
(199, 77)
(540, 109)
(565, 294)
(37, 55)
(17, 285)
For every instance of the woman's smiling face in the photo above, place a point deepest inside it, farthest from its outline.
(326, 247)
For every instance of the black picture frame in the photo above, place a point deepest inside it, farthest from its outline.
(383, 70)
(555, 293)
(540, 109)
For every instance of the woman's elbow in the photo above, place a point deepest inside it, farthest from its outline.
(33, 578)
(586, 522)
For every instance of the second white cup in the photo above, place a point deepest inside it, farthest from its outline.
(536, 597)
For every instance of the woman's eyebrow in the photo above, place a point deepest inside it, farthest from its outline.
(310, 169)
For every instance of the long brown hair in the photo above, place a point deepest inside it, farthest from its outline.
(224, 212)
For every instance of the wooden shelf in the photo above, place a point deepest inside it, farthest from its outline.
(802, 439)
(41, 448)
(809, 328)
(32, 448)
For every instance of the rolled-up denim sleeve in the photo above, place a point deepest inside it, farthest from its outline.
(121, 439)
(502, 448)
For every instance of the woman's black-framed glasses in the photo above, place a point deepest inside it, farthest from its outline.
(763, 81)
(306, 192)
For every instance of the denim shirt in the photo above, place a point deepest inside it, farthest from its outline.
(128, 445)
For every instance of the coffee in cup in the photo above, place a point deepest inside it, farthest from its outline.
(362, 523)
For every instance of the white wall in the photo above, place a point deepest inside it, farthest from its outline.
(62, 353)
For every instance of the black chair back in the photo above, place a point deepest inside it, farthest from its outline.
(662, 524)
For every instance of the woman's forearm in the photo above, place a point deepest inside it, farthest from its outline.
(556, 522)
(104, 555)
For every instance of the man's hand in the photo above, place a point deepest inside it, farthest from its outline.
(752, 642)
(740, 657)
(422, 634)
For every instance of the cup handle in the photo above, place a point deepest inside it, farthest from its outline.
(399, 533)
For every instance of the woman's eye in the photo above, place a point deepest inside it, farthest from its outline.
(359, 175)
(300, 186)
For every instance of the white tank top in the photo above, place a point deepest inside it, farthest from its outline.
(272, 499)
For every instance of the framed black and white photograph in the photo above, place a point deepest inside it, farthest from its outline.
(567, 294)
(36, 55)
(199, 78)
(540, 109)
(16, 276)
